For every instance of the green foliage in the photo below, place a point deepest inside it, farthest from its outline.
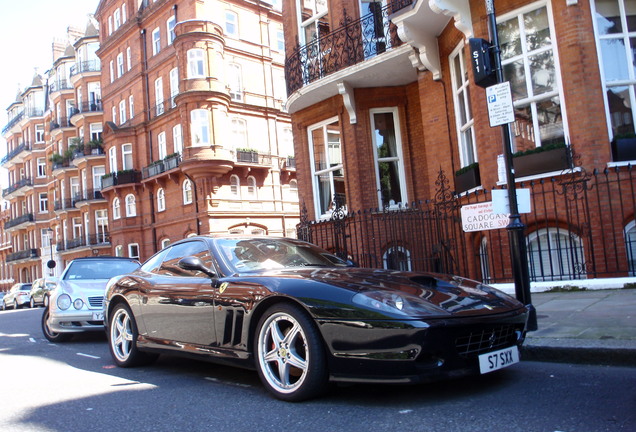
(467, 168)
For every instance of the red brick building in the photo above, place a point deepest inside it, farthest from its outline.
(160, 120)
(386, 114)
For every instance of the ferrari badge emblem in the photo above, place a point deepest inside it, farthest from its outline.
(222, 287)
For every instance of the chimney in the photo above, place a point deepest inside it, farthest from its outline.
(58, 49)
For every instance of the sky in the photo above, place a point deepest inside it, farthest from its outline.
(27, 31)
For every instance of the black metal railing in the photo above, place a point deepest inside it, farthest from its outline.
(161, 166)
(353, 42)
(25, 182)
(25, 146)
(14, 121)
(120, 178)
(85, 66)
(60, 85)
(88, 107)
(581, 226)
(290, 162)
(22, 255)
(62, 122)
(65, 204)
(19, 220)
(88, 195)
(100, 239)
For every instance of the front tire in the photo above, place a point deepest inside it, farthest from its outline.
(49, 334)
(122, 339)
(290, 356)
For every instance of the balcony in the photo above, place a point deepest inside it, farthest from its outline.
(23, 255)
(62, 122)
(87, 151)
(67, 204)
(19, 222)
(93, 240)
(120, 178)
(61, 165)
(17, 155)
(85, 67)
(17, 189)
(60, 85)
(88, 196)
(14, 121)
(159, 167)
(91, 107)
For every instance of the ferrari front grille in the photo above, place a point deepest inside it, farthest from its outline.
(484, 340)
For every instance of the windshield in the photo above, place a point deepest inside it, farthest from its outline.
(268, 254)
(99, 269)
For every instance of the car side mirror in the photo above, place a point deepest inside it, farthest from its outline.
(193, 263)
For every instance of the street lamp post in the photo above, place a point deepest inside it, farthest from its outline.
(516, 227)
(51, 263)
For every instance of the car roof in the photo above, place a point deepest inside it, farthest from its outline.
(108, 257)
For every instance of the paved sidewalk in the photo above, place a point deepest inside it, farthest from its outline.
(592, 326)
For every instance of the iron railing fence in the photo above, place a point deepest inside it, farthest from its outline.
(581, 225)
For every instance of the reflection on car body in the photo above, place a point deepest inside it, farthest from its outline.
(303, 317)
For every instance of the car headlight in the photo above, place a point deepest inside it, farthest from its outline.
(64, 301)
(78, 303)
(396, 303)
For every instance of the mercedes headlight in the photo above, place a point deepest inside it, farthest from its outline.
(64, 301)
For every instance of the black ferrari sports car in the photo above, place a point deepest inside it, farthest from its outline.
(303, 317)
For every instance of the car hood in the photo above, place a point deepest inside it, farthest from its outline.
(94, 287)
(443, 294)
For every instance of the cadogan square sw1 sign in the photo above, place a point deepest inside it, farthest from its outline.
(481, 217)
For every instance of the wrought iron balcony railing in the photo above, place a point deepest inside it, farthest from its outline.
(88, 195)
(66, 204)
(25, 254)
(161, 166)
(353, 42)
(60, 85)
(120, 178)
(63, 122)
(17, 185)
(19, 220)
(25, 146)
(14, 121)
(83, 241)
(86, 66)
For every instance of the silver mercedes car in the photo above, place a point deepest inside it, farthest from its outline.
(76, 302)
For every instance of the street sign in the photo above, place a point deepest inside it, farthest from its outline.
(500, 108)
(481, 217)
(501, 203)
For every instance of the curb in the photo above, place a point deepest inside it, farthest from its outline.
(594, 355)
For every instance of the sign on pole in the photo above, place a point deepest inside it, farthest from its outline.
(481, 217)
(500, 108)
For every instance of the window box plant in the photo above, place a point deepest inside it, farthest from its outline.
(467, 178)
(539, 160)
(246, 155)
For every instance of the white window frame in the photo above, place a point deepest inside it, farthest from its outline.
(127, 156)
(330, 166)
(122, 111)
(161, 145)
(187, 191)
(231, 25)
(463, 109)
(177, 139)
(235, 82)
(133, 250)
(161, 200)
(131, 205)
(252, 190)
(159, 108)
(200, 128)
(112, 159)
(235, 186)
(156, 41)
(170, 25)
(116, 209)
(128, 58)
(120, 65)
(41, 167)
(196, 63)
(531, 99)
(174, 86)
(399, 159)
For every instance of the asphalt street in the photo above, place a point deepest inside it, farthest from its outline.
(76, 387)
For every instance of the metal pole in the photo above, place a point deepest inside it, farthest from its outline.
(516, 237)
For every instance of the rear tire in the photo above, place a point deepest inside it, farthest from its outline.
(31, 303)
(49, 334)
(122, 339)
(290, 356)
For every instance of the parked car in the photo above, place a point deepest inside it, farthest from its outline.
(17, 296)
(2, 294)
(303, 317)
(39, 295)
(76, 303)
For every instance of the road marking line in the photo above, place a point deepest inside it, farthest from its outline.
(31, 340)
(88, 355)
